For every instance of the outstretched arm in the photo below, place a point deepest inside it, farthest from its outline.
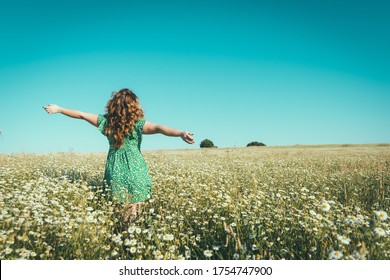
(91, 118)
(151, 128)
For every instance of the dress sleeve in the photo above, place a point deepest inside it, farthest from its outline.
(140, 125)
(102, 122)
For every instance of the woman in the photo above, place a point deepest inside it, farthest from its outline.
(123, 124)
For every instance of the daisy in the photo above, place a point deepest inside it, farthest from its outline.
(172, 248)
(114, 253)
(133, 250)
(157, 252)
(343, 239)
(117, 239)
(168, 237)
(325, 206)
(208, 253)
(380, 231)
(351, 220)
(181, 258)
(8, 251)
(133, 242)
(89, 219)
(382, 215)
(335, 255)
(131, 229)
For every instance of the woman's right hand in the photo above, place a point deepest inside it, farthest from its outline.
(52, 108)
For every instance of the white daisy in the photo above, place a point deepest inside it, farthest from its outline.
(116, 239)
(89, 218)
(131, 229)
(114, 253)
(335, 255)
(325, 206)
(168, 237)
(133, 242)
(157, 252)
(344, 239)
(380, 231)
(382, 215)
(208, 253)
(172, 248)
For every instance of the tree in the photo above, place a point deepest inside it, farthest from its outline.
(255, 143)
(207, 144)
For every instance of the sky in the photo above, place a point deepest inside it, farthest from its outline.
(281, 72)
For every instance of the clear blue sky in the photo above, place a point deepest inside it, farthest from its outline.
(277, 71)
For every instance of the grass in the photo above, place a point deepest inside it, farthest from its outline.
(296, 202)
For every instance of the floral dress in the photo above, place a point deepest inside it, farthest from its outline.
(126, 172)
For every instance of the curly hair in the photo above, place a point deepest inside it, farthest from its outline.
(123, 111)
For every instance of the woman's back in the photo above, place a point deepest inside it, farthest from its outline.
(126, 172)
(131, 141)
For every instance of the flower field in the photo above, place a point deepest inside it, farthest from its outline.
(297, 202)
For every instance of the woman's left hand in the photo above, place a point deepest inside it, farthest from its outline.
(187, 137)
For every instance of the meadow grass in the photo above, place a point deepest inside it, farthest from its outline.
(297, 202)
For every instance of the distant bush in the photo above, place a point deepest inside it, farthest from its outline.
(255, 143)
(207, 144)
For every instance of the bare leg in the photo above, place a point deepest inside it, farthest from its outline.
(131, 211)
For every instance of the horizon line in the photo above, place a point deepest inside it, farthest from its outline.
(380, 144)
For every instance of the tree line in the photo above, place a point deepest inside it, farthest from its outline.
(207, 143)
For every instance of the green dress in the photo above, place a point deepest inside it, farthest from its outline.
(126, 172)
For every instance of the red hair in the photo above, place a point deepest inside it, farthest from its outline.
(123, 111)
